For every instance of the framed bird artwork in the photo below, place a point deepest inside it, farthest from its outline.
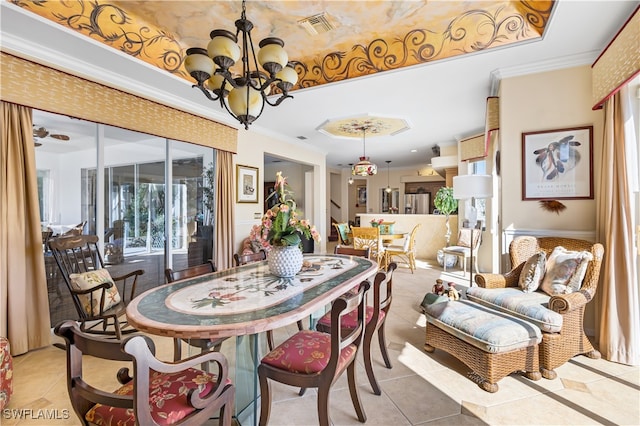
(558, 164)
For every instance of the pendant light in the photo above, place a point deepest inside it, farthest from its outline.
(388, 189)
(364, 167)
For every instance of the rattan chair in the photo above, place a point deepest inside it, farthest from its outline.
(155, 393)
(406, 252)
(556, 348)
(204, 345)
(343, 230)
(369, 237)
(313, 359)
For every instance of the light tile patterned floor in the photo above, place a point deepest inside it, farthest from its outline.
(420, 389)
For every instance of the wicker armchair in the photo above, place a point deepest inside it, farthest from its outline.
(556, 348)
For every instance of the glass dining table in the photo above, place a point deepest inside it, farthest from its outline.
(243, 302)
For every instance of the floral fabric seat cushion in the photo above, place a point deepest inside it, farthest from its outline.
(167, 399)
(532, 307)
(486, 329)
(307, 352)
(6, 372)
(350, 320)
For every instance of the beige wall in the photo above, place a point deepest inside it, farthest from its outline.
(544, 101)
(252, 147)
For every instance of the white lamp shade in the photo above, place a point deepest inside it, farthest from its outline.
(472, 186)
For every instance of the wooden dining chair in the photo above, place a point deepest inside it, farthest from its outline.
(203, 344)
(350, 251)
(152, 392)
(190, 272)
(243, 259)
(313, 359)
(369, 237)
(376, 316)
(100, 299)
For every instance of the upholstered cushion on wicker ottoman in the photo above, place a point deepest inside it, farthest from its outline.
(492, 344)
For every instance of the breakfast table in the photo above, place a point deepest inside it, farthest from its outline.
(244, 302)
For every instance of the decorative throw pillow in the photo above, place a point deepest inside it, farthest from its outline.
(565, 271)
(532, 272)
(87, 280)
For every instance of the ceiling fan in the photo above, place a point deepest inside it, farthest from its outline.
(41, 133)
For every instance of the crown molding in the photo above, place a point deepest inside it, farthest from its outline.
(553, 64)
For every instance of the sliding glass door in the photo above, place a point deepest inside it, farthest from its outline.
(113, 182)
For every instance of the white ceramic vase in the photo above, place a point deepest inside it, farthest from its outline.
(284, 261)
(450, 259)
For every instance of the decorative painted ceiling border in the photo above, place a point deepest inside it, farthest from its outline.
(113, 26)
(422, 45)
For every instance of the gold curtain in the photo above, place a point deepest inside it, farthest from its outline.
(619, 326)
(225, 219)
(24, 304)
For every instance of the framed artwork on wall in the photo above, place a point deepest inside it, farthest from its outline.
(558, 164)
(247, 184)
(362, 195)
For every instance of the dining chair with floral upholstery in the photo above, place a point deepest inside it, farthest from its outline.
(375, 316)
(313, 359)
(152, 392)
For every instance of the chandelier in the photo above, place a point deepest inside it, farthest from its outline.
(243, 96)
(364, 167)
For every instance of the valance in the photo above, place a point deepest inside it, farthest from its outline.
(56, 91)
(618, 63)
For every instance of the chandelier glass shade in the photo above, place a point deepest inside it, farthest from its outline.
(364, 167)
(245, 95)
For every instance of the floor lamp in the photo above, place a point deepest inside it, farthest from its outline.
(469, 187)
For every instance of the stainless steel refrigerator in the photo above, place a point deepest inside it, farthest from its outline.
(417, 203)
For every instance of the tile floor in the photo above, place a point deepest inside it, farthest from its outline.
(420, 389)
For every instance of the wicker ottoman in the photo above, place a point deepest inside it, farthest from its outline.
(492, 344)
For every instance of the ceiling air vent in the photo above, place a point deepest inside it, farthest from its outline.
(301, 137)
(317, 24)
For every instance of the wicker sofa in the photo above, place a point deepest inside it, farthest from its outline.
(560, 317)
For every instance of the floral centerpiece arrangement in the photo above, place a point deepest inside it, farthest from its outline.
(283, 228)
(376, 222)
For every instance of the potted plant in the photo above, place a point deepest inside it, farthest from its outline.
(446, 204)
(283, 229)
